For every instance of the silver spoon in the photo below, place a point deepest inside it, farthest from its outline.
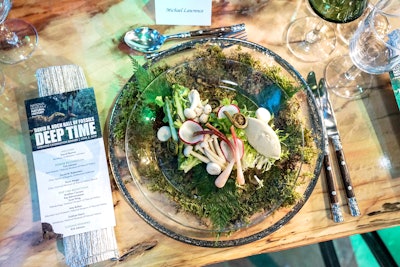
(148, 40)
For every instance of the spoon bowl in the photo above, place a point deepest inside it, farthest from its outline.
(144, 39)
(148, 40)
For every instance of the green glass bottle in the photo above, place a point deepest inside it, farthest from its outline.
(339, 11)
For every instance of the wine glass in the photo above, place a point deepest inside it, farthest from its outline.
(373, 49)
(18, 39)
(312, 39)
(346, 30)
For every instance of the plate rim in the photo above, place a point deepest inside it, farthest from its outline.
(115, 161)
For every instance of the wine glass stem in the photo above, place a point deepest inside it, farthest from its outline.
(313, 35)
(352, 73)
(10, 37)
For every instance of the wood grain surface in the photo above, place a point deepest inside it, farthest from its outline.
(88, 33)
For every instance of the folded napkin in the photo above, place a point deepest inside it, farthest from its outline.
(90, 247)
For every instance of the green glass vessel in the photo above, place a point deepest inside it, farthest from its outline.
(339, 11)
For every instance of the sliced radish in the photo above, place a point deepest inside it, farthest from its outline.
(187, 130)
(221, 136)
(231, 109)
(227, 151)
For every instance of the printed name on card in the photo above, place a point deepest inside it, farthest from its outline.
(183, 12)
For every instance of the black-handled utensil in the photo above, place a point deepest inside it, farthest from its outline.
(333, 134)
(333, 198)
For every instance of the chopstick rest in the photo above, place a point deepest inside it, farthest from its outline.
(93, 246)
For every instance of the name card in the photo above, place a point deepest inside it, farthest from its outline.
(183, 12)
(70, 162)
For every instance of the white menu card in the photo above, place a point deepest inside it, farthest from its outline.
(183, 12)
(70, 162)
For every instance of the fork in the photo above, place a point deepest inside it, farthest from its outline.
(333, 198)
(242, 35)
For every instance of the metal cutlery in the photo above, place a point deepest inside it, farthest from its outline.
(333, 198)
(242, 35)
(333, 134)
(148, 40)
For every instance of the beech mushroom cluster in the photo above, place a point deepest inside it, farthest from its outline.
(197, 111)
(208, 151)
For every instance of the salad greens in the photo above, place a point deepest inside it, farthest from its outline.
(195, 191)
(215, 153)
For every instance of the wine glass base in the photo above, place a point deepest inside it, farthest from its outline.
(336, 81)
(316, 50)
(2, 82)
(21, 41)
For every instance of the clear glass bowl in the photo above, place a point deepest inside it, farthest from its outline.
(131, 160)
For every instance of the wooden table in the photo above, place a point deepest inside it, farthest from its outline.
(88, 33)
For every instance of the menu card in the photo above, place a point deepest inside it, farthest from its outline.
(395, 80)
(70, 162)
(183, 12)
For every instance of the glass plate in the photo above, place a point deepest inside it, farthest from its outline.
(130, 164)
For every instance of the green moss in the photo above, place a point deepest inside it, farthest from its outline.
(231, 204)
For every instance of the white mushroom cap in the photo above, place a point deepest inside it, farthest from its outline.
(164, 133)
(187, 150)
(198, 110)
(189, 113)
(194, 97)
(263, 114)
(203, 118)
(213, 168)
(207, 109)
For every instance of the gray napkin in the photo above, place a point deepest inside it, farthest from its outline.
(91, 247)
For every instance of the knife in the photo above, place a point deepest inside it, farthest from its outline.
(333, 134)
(333, 198)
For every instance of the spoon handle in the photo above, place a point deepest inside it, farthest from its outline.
(220, 31)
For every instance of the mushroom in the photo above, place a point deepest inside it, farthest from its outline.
(213, 157)
(213, 168)
(208, 148)
(194, 98)
(188, 151)
(198, 110)
(207, 109)
(263, 114)
(217, 147)
(197, 147)
(203, 118)
(164, 133)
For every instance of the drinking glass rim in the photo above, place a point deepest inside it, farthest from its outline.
(373, 14)
(383, 5)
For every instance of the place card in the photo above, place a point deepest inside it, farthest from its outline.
(70, 162)
(183, 12)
